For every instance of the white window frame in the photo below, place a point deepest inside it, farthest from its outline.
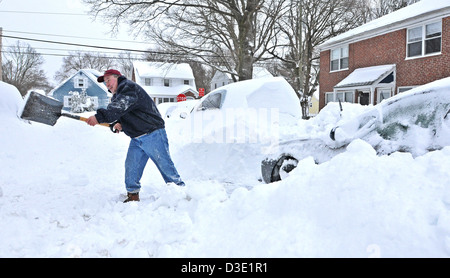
(148, 81)
(168, 82)
(327, 97)
(343, 53)
(423, 40)
(345, 96)
(80, 83)
(381, 91)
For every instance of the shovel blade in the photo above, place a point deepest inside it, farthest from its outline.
(42, 109)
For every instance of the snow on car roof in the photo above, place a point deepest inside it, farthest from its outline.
(271, 92)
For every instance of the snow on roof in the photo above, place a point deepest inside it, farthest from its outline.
(165, 70)
(168, 91)
(425, 10)
(365, 76)
(260, 72)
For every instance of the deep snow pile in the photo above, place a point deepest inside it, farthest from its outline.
(60, 193)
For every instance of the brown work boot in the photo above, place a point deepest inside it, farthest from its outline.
(132, 197)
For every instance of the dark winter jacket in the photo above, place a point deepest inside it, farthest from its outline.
(133, 108)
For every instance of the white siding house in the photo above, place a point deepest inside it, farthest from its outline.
(165, 81)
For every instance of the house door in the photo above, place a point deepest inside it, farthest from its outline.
(364, 97)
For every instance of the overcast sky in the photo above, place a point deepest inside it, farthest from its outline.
(64, 21)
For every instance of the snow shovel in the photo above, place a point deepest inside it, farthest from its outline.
(46, 110)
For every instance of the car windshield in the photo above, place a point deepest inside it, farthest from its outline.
(212, 101)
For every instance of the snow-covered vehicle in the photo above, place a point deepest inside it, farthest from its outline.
(175, 109)
(254, 94)
(416, 121)
(261, 93)
(242, 112)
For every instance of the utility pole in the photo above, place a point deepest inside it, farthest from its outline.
(1, 37)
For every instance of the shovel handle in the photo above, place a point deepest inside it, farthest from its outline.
(80, 118)
(85, 119)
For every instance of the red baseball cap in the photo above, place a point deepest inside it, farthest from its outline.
(108, 72)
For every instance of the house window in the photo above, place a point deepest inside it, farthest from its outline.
(388, 79)
(339, 59)
(147, 81)
(424, 40)
(166, 83)
(344, 97)
(169, 99)
(384, 94)
(404, 89)
(329, 97)
(80, 83)
(186, 82)
(164, 100)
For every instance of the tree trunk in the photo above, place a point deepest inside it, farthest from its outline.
(246, 40)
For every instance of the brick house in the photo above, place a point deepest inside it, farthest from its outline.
(387, 56)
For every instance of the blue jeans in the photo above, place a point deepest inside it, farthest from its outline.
(156, 147)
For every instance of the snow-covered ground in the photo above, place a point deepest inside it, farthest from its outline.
(61, 186)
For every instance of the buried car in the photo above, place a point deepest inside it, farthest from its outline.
(173, 109)
(270, 93)
(242, 112)
(261, 93)
(417, 121)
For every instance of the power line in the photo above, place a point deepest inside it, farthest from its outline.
(67, 55)
(49, 13)
(76, 37)
(55, 49)
(82, 45)
(105, 47)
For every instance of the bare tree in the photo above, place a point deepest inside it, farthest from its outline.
(22, 68)
(220, 33)
(305, 25)
(202, 75)
(125, 64)
(83, 60)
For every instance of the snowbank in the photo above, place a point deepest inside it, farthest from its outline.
(11, 101)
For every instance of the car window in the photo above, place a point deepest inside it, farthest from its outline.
(212, 101)
(418, 110)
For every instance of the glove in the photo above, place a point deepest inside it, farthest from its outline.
(111, 126)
